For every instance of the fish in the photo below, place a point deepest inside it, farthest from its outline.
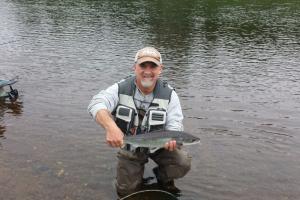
(157, 139)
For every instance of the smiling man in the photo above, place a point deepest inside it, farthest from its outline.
(138, 105)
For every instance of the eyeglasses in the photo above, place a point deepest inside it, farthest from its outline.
(145, 64)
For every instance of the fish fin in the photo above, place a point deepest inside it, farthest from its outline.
(152, 150)
(134, 145)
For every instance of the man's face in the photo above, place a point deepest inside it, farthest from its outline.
(147, 74)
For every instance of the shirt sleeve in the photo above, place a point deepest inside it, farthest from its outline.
(174, 114)
(105, 99)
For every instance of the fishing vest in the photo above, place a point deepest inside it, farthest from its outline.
(126, 113)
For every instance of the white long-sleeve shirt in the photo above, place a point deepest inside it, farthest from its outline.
(108, 99)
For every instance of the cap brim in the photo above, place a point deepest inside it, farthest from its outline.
(148, 59)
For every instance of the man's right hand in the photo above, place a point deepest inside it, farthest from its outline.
(114, 136)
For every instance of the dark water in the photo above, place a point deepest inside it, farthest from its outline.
(235, 65)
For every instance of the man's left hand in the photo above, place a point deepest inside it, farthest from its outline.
(171, 145)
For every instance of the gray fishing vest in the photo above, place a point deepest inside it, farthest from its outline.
(126, 112)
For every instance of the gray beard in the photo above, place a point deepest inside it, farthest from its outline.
(147, 84)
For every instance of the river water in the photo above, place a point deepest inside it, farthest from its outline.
(234, 64)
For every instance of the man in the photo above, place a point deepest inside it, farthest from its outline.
(136, 105)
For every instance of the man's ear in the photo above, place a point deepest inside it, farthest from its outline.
(161, 69)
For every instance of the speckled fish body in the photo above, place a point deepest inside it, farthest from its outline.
(157, 139)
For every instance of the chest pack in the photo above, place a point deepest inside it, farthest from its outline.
(127, 114)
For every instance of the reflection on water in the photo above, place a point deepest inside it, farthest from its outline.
(8, 108)
(2, 130)
(233, 63)
(13, 108)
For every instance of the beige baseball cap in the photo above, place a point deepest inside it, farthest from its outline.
(148, 54)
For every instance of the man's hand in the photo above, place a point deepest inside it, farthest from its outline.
(171, 145)
(114, 136)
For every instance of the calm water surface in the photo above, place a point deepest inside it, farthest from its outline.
(235, 65)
